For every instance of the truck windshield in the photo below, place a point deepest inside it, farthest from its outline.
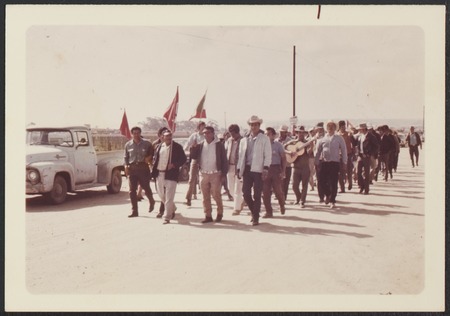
(50, 137)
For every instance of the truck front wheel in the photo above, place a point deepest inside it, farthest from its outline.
(116, 182)
(59, 192)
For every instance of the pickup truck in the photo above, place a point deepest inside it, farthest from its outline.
(61, 160)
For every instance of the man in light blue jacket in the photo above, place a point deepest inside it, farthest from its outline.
(255, 157)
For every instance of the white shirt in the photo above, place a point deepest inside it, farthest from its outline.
(164, 154)
(208, 161)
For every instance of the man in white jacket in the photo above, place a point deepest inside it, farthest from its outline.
(255, 157)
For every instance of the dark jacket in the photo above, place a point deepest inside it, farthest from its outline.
(177, 157)
(419, 141)
(221, 156)
(370, 145)
(387, 144)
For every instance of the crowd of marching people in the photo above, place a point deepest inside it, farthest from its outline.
(258, 164)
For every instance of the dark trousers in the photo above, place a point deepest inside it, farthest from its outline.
(252, 180)
(286, 181)
(394, 160)
(346, 173)
(319, 181)
(385, 158)
(139, 174)
(329, 174)
(273, 183)
(414, 152)
(363, 171)
(301, 175)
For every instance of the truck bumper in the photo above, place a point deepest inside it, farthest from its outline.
(35, 188)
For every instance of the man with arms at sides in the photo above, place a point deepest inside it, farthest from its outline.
(195, 139)
(255, 157)
(155, 144)
(275, 175)
(301, 166)
(284, 138)
(234, 184)
(346, 171)
(414, 142)
(366, 148)
(138, 153)
(320, 133)
(213, 167)
(331, 148)
(169, 158)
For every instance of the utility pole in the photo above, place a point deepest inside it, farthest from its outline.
(293, 90)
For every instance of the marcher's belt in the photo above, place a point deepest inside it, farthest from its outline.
(209, 172)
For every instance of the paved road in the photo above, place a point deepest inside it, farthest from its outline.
(368, 245)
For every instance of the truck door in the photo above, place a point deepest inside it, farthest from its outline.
(85, 159)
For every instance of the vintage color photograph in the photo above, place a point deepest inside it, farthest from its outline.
(254, 158)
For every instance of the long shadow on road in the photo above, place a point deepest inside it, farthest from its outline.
(266, 227)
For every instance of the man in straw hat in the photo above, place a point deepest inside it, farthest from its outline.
(169, 158)
(330, 149)
(255, 157)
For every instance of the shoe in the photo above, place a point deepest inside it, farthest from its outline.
(361, 190)
(366, 193)
(219, 218)
(207, 220)
(296, 203)
(332, 205)
(342, 191)
(173, 215)
(255, 223)
(282, 210)
(133, 215)
(302, 205)
(267, 215)
(140, 198)
(166, 221)
(349, 187)
(159, 215)
(188, 202)
(195, 197)
(236, 212)
(230, 198)
(321, 201)
(152, 205)
(327, 200)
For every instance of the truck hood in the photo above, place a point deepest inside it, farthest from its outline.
(37, 153)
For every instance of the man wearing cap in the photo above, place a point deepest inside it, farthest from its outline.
(213, 167)
(193, 140)
(414, 142)
(169, 158)
(255, 157)
(284, 138)
(275, 176)
(366, 148)
(330, 149)
(346, 171)
(234, 184)
(138, 153)
(301, 166)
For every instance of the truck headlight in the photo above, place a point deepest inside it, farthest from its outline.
(33, 176)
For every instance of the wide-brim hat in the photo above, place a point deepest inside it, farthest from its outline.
(283, 128)
(254, 119)
(301, 129)
(332, 122)
(362, 126)
(369, 126)
(319, 125)
(167, 132)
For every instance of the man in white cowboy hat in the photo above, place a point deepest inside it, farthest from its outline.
(284, 138)
(330, 149)
(255, 157)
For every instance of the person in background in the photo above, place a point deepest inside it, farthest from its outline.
(346, 171)
(138, 153)
(414, 142)
(312, 168)
(195, 139)
(234, 184)
(283, 139)
(387, 148)
(155, 144)
(320, 133)
(275, 175)
(213, 167)
(301, 166)
(397, 141)
(222, 138)
(169, 158)
(374, 161)
(330, 149)
(255, 157)
(366, 148)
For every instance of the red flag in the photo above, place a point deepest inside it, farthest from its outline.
(200, 112)
(171, 113)
(124, 128)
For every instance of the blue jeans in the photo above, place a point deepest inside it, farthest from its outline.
(252, 180)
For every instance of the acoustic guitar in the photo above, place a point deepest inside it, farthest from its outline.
(298, 148)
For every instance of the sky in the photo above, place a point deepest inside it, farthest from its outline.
(91, 74)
